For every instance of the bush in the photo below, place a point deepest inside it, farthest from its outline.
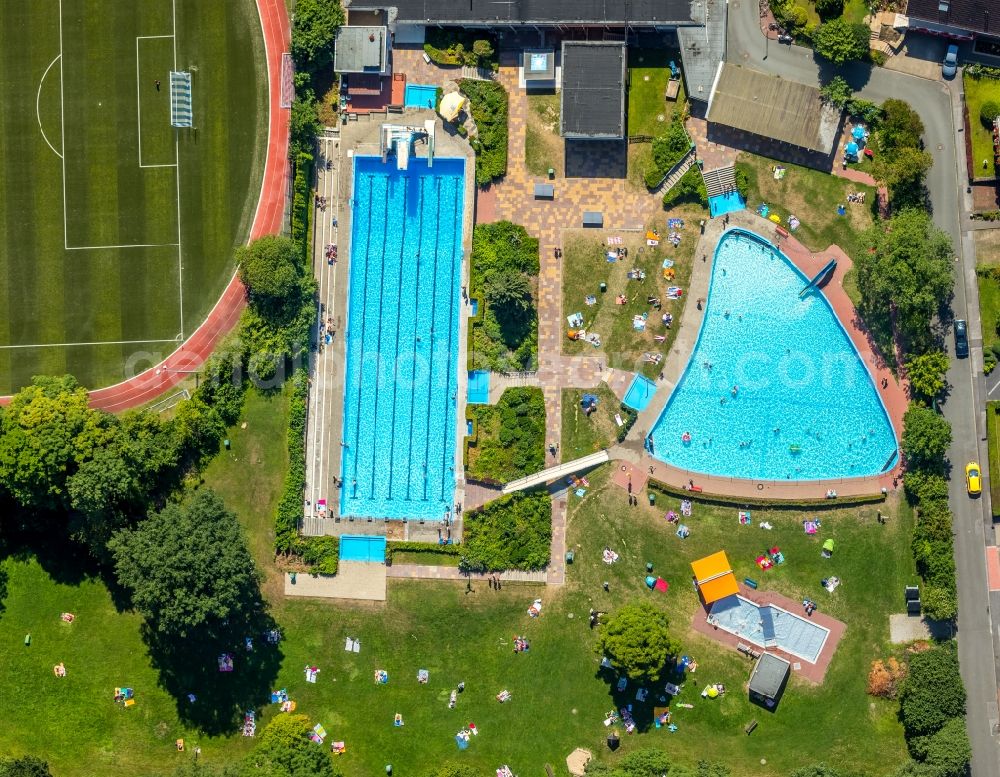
(690, 188)
(837, 92)
(885, 678)
(510, 533)
(511, 439)
(289, 511)
(865, 110)
(947, 751)
(933, 692)
(988, 112)
(322, 554)
(629, 415)
(828, 9)
(302, 203)
(451, 47)
(668, 149)
(488, 104)
(421, 547)
(742, 182)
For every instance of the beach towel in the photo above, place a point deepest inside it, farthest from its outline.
(609, 556)
(622, 684)
(810, 527)
(311, 673)
(535, 609)
(381, 677)
(686, 508)
(766, 525)
(423, 675)
(672, 689)
(618, 419)
(580, 492)
(641, 694)
(575, 320)
(591, 299)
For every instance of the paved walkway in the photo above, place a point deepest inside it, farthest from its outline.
(267, 220)
(432, 572)
(354, 580)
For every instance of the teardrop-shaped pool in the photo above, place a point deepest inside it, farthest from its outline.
(774, 389)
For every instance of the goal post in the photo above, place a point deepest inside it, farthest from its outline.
(180, 99)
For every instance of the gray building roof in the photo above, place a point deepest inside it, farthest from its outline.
(972, 15)
(593, 90)
(637, 12)
(703, 47)
(774, 108)
(769, 676)
(362, 50)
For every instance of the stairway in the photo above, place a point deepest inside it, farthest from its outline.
(677, 173)
(477, 73)
(719, 181)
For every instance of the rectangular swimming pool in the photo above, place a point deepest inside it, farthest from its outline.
(479, 387)
(420, 96)
(640, 393)
(355, 547)
(401, 381)
(721, 204)
(769, 626)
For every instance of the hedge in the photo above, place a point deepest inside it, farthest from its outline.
(514, 532)
(286, 519)
(489, 108)
(668, 149)
(630, 419)
(510, 436)
(302, 203)
(322, 554)
(420, 547)
(799, 505)
(690, 188)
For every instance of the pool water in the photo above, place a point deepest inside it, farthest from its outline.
(479, 387)
(640, 393)
(804, 406)
(769, 626)
(401, 381)
(721, 204)
(362, 548)
(420, 96)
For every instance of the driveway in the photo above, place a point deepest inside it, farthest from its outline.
(939, 109)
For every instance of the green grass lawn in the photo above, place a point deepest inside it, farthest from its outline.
(993, 437)
(989, 309)
(92, 280)
(585, 267)
(854, 11)
(813, 196)
(978, 92)
(583, 434)
(649, 112)
(559, 696)
(543, 147)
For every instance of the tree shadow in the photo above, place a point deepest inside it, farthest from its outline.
(64, 560)
(190, 665)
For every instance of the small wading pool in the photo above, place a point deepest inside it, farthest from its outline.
(769, 626)
(479, 387)
(420, 96)
(721, 204)
(362, 548)
(640, 393)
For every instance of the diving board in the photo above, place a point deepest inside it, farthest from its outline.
(827, 270)
(557, 472)
(181, 114)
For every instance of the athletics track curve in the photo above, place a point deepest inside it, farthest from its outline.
(267, 221)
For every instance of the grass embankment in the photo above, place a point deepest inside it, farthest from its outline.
(585, 267)
(543, 148)
(583, 434)
(812, 196)
(978, 92)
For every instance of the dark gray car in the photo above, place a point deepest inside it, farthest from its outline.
(961, 339)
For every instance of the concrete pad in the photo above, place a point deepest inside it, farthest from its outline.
(354, 580)
(907, 628)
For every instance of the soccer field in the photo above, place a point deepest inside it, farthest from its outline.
(117, 230)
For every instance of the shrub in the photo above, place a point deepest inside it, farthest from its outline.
(742, 182)
(630, 417)
(827, 9)
(302, 202)
(933, 692)
(947, 751)
(690, 188)
(510, 533)
(885, 678)
(940, 604)
(289, 511)
(322, 554)
(837, 92)
(988, 112)
(865, 110)
(451, 47)
(421, 547)
(511, 440)
(668, 149)
(488, 104)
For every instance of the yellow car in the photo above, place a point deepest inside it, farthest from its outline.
(973, 479)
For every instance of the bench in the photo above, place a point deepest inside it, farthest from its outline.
(749, 727)
(544, 191)
(781, 231)
(593, 219)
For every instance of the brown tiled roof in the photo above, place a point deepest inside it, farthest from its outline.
(975, 15)
(364, 85)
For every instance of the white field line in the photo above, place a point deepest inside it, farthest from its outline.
(96, 342)
(177, 170)
(38, 102)
(131, 245)
(138, 93)
(62, 124)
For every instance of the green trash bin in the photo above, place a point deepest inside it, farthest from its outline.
(552, 173)
(569, 557)
(649, 566)
(652, 498)
(227, 444)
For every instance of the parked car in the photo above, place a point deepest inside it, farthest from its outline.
(961, 338)
(950, 65)
(786, 39)
(973, 479)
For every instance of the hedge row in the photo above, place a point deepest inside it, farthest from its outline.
(799, 505)
(302, 203)
(420, 547)
(933, 544)
(514, 532)
(489, 110)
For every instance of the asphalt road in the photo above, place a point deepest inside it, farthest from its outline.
(938, 108)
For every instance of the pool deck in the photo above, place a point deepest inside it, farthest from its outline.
(327, 373)
(893, 397)
(814, 673)
(354, 580)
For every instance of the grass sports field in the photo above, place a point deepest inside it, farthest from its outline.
(116, 230)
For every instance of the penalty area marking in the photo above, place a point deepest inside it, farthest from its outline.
(38, 103)
(138, 95)
(98, 342)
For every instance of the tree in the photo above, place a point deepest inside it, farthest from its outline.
(46, 432)
(989, 112)
(509, 292)
(925, 487)
(926, 437)
(900, 126)
(314, 29)
(939, 603)
(284, 749)
(24, 766)
(637, 641)
(947, 751)
(933, 692)
(269, 268)
(904, 278)
(836, 91)
(199, 428)
(483, 51)
(828, 9)
(903, 172)
(187, 567)
(926, 372)
(303, 122)
(840, 41)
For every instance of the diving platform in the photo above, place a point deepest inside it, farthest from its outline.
(558, 472)
(399, 139)
(819, 277)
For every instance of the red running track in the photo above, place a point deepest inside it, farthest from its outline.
(267, 221)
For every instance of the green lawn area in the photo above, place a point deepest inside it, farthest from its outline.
(989, 308)
(813, 196)
(90, 254)
(993, 435)
(854, 11)
(583, 434)
(559, 698)
(543, 147)
(978, 92)
(649, 112)
(585, 267)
